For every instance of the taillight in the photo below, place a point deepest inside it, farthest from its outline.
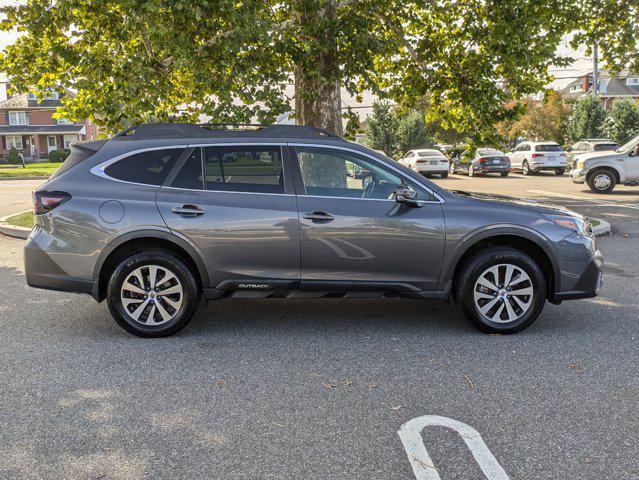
(443, 161)
(562, 154)
(44, 201)
(537, 155)
(482, 160)
(421, 161)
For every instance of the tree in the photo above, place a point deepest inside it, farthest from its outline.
(546, 120)
(412, 132)
(587, 119)
(623, 122)
(380, 132)
(230, 60)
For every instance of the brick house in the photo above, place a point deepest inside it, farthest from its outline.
(26, 123)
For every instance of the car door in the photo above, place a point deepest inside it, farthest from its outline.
(354, 234)
(632, 164)
(515, 157)
(236, 204)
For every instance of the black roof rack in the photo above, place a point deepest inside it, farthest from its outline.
(213, 130)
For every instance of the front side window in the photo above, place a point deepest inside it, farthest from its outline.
(150, 167)
(601, 147)
(335, 173)
(256, 169)
(17, 118)
(14, 142)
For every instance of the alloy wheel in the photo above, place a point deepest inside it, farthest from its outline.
(152, 295)
(503, 293)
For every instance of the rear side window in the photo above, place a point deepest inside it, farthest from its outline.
(548, 148)
(244, 169)
(150, 168)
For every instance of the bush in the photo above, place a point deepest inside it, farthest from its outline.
(623, 122)
(13, 157)
(59, 155)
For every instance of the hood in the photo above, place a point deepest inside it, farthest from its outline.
(598, 155)
(534, 205)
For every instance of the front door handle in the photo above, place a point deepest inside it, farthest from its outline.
(187, 210)
(319, 217)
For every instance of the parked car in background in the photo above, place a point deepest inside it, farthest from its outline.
(603, 170)
(588, 145)
(162, 215)
(533, 157)
(426, 161)
(485, 160)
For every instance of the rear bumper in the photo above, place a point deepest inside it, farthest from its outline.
(42, 272)
(588, 284)
(423, 168)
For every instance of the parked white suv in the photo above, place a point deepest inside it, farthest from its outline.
(426, 161)
(603, 170)
(532, 157)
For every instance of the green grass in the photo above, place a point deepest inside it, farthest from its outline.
(32, 170)
(24, 219)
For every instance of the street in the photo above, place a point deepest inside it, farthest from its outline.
(292, 389)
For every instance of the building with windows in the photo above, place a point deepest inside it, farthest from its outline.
(623, 85)
(27, 123)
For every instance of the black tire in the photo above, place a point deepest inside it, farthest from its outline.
(504, 174)
(167, 260)
(525, 168)
(444, 174)
(472, 269)
(559, 171)
(471, 171)
(601, 181)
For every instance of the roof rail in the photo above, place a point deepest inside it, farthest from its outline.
(212, 130)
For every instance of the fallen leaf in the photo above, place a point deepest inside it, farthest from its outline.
(472, 385)
(276, 424)
(371, 385)
(328, 385)
(348, 383)
(396, 408)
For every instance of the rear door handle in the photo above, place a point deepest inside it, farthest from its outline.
(319, 217)
(187, 210)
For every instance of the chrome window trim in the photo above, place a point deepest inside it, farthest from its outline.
(98, 170)
(439, 198)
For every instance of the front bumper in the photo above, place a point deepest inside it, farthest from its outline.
(588, 284)
(577, 176)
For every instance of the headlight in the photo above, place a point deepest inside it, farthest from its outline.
(576, 224)
(581, 164)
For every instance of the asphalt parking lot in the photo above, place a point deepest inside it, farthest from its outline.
(296, 389)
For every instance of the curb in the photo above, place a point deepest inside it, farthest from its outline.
(23, 178)
(602, 229)
(14, 230)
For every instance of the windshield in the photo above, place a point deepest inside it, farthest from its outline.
(486, 152)
(548, 148)
(600, 147)
(629, 145)
(429, 153)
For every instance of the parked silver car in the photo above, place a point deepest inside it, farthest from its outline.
(162, 215)
(485, 160)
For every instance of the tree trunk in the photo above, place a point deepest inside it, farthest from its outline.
(318, 77)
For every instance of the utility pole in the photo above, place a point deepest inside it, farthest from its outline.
(595, 70)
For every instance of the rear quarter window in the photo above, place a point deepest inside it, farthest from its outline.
(150, 167)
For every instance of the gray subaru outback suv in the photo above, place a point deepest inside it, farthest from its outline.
(161, 215)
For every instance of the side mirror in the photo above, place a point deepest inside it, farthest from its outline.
(407, 195)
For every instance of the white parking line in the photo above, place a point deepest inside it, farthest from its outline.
(410, 434)
(603, 203)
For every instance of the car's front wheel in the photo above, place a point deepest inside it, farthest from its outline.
(601, 181)
(559, 171)
(152, 293)
(500, 290)
(451, 168)
(525, 169)
(471, 170)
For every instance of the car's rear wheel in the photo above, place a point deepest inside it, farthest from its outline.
(444, 174)
(152, 294)
(471, 170)
(525, 169)
(500, 290)
(601, 181)
(559, 171)
(504, 174)
(452, 168)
